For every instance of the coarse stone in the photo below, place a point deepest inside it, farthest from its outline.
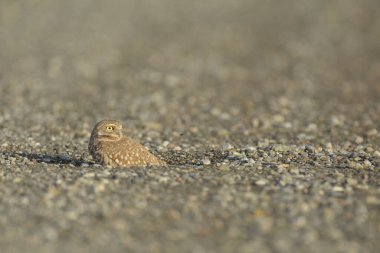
(271, 143)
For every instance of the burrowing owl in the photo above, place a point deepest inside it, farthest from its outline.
(108, 146)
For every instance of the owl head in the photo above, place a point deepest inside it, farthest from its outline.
(107, 130)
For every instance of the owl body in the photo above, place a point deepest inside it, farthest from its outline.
(109, 147)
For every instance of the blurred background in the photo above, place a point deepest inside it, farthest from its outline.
(101, 49)
(196, 74)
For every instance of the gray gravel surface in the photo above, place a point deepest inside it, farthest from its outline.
(267, 113)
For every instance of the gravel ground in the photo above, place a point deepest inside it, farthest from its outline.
(267, 113)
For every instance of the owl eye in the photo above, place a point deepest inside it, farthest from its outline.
(110, 128)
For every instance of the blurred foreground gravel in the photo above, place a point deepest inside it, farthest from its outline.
(268, 113)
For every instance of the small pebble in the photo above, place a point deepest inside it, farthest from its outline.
(261, 182)
(338, 189)
(226, 147)
(372, 132)
(359, 140)
(89, 175)
(206, 161)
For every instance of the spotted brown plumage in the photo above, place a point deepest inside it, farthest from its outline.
(108, 146)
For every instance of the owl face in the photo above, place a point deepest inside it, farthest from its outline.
(108, 130)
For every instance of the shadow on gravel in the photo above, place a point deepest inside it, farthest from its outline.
(192, 158)
(51, 159)
(171, 157)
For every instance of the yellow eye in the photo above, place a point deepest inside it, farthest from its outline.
(110, 128)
